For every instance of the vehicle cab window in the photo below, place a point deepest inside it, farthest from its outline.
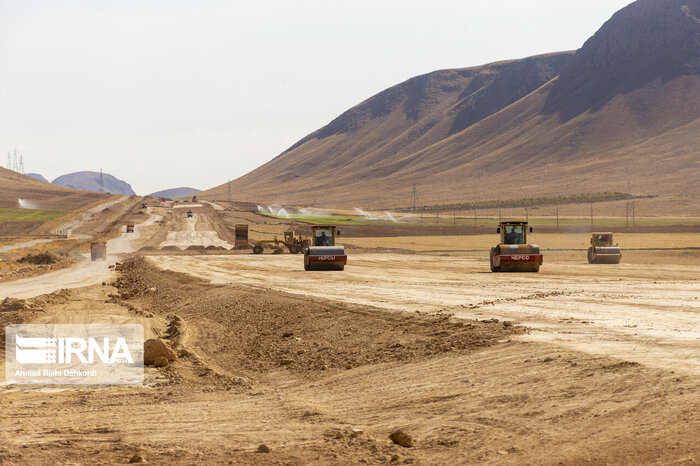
(323, 237)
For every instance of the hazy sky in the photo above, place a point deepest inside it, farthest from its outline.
(167, 93)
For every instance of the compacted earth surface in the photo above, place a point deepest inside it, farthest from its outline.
(407, 357)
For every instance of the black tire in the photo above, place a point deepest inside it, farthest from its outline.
(293, 250)
(591, 259)
(493, 268)
(258, 249)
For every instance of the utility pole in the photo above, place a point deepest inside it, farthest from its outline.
(633, 216)
(102, 182)
(454, 217)
(591, 216)
(557, 217)
(437, 216)
(627, 214)
(474, 217)
(500, 216)
(527, 214)
(415, 196)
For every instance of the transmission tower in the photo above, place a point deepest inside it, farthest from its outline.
(102, 184)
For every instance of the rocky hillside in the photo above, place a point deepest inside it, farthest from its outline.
(623, 108)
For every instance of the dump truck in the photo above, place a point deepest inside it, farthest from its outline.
(513, 253)
(603, 250)
(130, 228)
(293, 242)
(190, 214)
(324, 254)
(98, 251)
(241, 236)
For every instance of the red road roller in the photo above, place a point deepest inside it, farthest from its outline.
(323, 254)
(513, 254)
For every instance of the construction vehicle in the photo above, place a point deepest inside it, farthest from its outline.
(603, 250)
(241, 236)
(144, 206)
(513, 253)
(130, 228)
(98, 251)
(294, 243)
(324, 254)
(194, 198)
(190, 214)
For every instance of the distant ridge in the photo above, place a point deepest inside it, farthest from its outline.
(90, 181)
(37, 176)
(175, 192)
(14, 186)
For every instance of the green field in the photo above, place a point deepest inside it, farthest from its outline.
(446, 219)
(29, 215)
(328, 219)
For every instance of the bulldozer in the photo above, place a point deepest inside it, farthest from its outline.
(324, 254)
(294, 243)
(603, 250)
(513, 253)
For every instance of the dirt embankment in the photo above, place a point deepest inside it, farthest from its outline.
(257, 332)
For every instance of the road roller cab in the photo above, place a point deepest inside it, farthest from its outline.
(513, 253)
(603, 250)
(323, 254)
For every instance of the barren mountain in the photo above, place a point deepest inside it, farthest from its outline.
(623, 108)
(90, 181)
(37, 176)
(39, 194)
(173, 193)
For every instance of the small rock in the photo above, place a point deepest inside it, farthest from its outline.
(286, 362)
(548, 359)
(287, 334)
(401, 439)
(502, 452)
(394, 458)
(262, 448)
(137, 459)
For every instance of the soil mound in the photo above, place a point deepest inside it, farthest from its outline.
(263, 331)
(43, 258)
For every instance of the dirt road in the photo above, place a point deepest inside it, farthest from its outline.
(84, 273)
(646, 314)
(192, 231)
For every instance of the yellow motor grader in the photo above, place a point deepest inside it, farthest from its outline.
(513, 253)
(294, 243)
(603, 250)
